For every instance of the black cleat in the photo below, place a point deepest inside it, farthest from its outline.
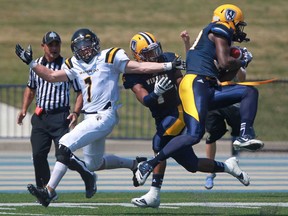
(42, 195)
(90, 185)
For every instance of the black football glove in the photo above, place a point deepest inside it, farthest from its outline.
(24, 55)
(178, 63)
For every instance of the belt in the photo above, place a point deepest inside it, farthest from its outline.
(214, 82)
(107, 106)
(57, 110)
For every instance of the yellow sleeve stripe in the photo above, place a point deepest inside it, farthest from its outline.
(68, 62)
(110, 55)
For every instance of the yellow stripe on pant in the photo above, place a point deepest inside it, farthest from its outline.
(187, 95)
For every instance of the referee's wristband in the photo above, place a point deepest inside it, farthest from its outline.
(76, 114)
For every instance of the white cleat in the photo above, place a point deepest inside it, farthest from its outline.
(146, 201)
(234, 169)
(247, 143)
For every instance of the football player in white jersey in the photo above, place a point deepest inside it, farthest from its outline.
(98, 73)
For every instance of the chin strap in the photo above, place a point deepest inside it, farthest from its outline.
(252, 83)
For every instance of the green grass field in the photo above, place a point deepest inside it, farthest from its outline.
(200, 204)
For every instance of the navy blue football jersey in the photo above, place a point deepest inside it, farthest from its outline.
(169, 101)
(200, 58)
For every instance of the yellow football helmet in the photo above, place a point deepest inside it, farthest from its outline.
(233, 16)
(144, 47)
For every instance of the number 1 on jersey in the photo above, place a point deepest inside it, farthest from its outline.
(88, 81)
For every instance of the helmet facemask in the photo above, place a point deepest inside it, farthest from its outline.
(85, 48)
(151, 53)
(239, 34)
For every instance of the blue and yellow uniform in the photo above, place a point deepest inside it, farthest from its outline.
(197, 90)
(167, 111)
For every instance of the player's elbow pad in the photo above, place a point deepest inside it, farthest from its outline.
(150, 99)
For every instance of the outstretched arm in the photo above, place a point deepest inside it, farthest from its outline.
(153, 67)
(50, 75)
(45, 73)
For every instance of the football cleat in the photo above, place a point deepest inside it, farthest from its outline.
(146, 201)
(134, 179)
(90, 185)
(143, 171)
(210, 181)
(234, 169)
(42, 195)
(246, 142)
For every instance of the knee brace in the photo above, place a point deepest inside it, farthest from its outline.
(63, 155)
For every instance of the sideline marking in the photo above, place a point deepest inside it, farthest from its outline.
(4, 206)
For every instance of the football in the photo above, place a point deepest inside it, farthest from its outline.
(236, 52)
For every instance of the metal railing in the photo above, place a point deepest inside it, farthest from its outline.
(135, 119)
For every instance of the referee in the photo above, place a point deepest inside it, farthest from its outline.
(51, 119)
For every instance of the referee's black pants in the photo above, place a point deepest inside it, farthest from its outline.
(45, 128)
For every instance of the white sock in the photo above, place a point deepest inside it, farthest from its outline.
(58, 172)
(114, 162)
(154, 191)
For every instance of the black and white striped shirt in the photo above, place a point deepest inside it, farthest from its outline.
(50, 96)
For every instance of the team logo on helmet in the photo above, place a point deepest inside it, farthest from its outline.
(133, 45)
(230, 15)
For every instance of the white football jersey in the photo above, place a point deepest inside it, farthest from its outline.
(99, 78)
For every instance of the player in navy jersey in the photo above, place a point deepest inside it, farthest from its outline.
(216, 120)
(202, 77)
(164, 105)
(159, 92)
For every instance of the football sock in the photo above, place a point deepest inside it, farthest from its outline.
(218, 166)
(157, 180)
(58, 172)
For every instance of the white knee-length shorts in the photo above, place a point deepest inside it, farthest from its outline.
(90, 134)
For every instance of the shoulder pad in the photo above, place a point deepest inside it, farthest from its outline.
(222, 29)
(110, 55)
(69, 63)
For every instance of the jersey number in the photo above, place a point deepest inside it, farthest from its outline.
(196, 41)
(88, 82)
